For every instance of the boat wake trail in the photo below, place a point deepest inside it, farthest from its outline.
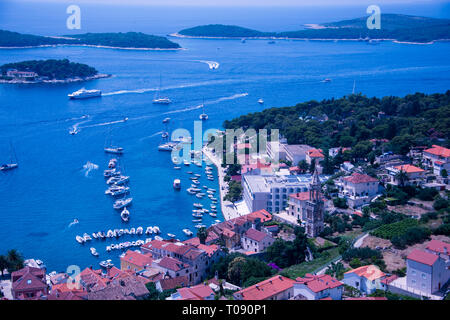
(180, 86)
(88, 167)
(104, 124)
(211, 64)
(151, 136)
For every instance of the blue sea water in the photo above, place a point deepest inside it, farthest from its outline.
(50, 189)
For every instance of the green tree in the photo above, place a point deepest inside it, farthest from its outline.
(3, 263)
(15, 260)
(401, 177)
(202, 234)
(236, 269)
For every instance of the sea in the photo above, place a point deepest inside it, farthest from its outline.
(60, 176)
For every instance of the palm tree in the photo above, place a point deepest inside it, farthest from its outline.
(15, 260)
(401, 177)
(3, 263)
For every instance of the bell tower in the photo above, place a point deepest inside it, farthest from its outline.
(314, 207)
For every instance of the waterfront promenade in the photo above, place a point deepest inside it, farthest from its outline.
(229, 210)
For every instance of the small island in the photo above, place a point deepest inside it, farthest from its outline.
(128, 40)
(47, 71)
(394, 27)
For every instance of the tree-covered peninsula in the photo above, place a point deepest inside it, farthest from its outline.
(137, 40)
(397, 27)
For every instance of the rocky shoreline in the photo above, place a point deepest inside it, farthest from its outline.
(55, 81)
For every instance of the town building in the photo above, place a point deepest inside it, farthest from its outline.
(256, 241)
(135, 261)
(414, 175)
(198, 292)
(314, 208)
(13, 73)
(29, 283)
(275, 288)
(296, 152)
(437, 158)
(366, 279)
(231, 231)
(428, 270)
(314, 155)
(317, 287)
(358, 189)
(271, 192)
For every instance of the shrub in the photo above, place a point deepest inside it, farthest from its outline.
(427, 194)
(440, 203)
(443, 229)
(340, 203)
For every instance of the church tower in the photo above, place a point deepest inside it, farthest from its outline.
(314, 208)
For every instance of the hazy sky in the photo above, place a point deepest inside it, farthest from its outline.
(245, 2)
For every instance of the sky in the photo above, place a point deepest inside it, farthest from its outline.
(245, 2)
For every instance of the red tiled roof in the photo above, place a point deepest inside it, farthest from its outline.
(172, 264)
(370, 272)
(389, 279)
(302, 196)
(318, 283)
(172, 283)
(366, 298)
(29, 281)
(422, 257)
(137, 258)
(438, 246)
(267, 288)
(439, 151)
(263, 214)
(359, 178)
(315, 153)
(198, 292)
(408, 168)
(255, 235)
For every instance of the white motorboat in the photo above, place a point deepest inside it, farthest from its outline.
(186, 162)
(114, 150)
(158, 238)
(79, 239)
(73, 131)
(177, 184)
(125, 214)
(326, 80)
(171, 235)
(139, 230)
(132, 231)
(85, 94)
(121, 203)
(149, 230)
(156, 229)
(86, 237)
(200, 225)
(112, 163)
(198, 205)
(261, 101)
(188, 232)
(94, 251)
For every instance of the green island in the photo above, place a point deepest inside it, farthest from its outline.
(402, 28)
(353, 121)
(47, 71)
(136, 40)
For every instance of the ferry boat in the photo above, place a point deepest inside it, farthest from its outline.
(177, 184)
(85, 94)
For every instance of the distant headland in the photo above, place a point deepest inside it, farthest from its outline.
(128, 40)
(47, 71)
(394, 27)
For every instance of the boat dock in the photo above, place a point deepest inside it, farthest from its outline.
(229, 210)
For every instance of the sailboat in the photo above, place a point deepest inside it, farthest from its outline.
(158, 99)
(12, 163)
(113, 149)
(165, 144)
(203, 116)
